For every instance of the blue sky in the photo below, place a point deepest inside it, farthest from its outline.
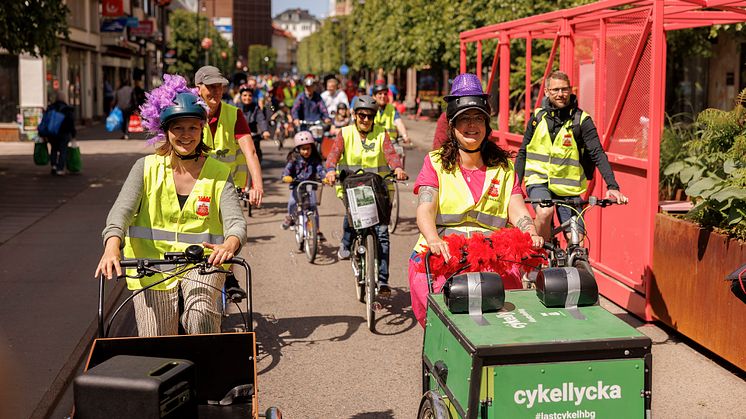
(318, 8)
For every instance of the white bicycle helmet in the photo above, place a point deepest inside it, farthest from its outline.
(303, 137)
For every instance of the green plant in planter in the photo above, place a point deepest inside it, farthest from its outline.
(679, 130)
(715, 170)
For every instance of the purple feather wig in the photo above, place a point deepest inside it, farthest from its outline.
(161, 98)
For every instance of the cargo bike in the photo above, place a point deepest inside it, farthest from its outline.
(549, 352)
(179, 376)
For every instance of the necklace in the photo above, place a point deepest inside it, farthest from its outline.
(468, 172)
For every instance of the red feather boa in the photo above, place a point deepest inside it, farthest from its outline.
(502, 252)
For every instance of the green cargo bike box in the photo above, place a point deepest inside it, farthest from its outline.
(530, 361)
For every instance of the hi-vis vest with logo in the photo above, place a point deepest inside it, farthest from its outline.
(457, 211)
(556, 163)
(368, 156)
(161, 226)
(224, 145)
(385, 119)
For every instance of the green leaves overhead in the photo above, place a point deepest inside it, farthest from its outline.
(187, 31)
(414, 33)
(32, 26)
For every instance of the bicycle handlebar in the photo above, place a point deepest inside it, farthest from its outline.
(571, 200)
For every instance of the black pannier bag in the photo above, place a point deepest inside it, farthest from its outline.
(380, 192)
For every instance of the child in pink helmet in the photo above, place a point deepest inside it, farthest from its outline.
(303, 163)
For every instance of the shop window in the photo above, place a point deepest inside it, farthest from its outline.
(8, 88)
(77, 13)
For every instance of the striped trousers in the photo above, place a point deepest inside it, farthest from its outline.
(157, 311)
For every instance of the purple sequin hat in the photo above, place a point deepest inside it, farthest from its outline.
(466, 84)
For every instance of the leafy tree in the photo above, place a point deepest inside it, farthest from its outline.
(262, 59)
(33, 26)
(187, 31)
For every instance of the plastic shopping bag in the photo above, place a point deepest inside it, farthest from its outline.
(115, 120)
(74, 164)
(135, 123)
(41, 152)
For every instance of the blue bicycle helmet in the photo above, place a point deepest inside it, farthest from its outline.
(185, 105)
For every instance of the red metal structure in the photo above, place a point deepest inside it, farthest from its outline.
(615, 54)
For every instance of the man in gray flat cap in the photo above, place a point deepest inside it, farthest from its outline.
(228, 133)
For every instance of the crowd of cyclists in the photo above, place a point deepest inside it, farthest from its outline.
(209, 139)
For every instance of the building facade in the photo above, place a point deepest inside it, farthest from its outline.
(286, 46)
(298, 22)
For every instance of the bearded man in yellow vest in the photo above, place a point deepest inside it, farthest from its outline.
(172, 199)
(467, 185)
(365, 146)
(227, 133)
(560, 152)
(387, 115)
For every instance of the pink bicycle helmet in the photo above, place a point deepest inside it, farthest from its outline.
(303, 137)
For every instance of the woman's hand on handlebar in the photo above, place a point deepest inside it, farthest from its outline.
(537, 242)
(222, 252)
(400, 174)
(109, 262)
(439, 247)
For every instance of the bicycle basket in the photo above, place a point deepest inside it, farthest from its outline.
(368, 191)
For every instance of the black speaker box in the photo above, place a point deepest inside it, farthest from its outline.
(222, 363)
(553, 285)
(128, 386)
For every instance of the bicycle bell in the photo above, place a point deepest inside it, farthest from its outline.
(194, 253)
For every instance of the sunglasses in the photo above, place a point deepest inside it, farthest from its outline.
(366, 116)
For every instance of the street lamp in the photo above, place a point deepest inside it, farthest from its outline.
(266, 65)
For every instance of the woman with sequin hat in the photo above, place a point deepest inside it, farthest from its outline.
(467, 185)
(172, 199)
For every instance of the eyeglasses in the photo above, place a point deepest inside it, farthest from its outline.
(560, 90)
(365, 116)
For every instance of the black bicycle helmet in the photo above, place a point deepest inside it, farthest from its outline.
(366, 102)
(185, 105)
(460, 104)
(380, 88)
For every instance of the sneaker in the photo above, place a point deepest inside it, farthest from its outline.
(343, 253)
(125, 137)
(384, 290)
(321, 236)
(288, 222)
(59, 172)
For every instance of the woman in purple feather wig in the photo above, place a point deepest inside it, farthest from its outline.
(172, 199)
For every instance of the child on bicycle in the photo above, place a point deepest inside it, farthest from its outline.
(341, 119)
(172, 199)
(303, 163)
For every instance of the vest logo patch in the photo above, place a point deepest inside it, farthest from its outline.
(494, 190)
(567, 140)
(203, 206)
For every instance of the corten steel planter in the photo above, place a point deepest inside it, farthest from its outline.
(689, 291)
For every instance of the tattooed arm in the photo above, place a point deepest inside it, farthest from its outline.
(427, 209)
(518, 216)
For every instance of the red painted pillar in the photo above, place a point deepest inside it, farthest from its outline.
(504, 115)
(462, 59)
(479, 60)
(527, 105)
(657, 111)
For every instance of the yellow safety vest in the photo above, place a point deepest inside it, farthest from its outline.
(225, 146)
(290, 94)
(457, 211)
(556, 163)
(368, 157)
(161, 225)
(385, 119)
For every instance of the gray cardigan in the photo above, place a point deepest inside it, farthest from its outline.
(128, 202)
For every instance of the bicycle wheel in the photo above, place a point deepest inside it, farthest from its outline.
(371, 278)
(299, 236)
(358, 267)
(394, 220)
(279, 138)
(311, 238)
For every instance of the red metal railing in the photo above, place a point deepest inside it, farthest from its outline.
(615, 54)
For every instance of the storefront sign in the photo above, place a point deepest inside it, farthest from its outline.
(144, 29)
(113, 25)
(113, 8)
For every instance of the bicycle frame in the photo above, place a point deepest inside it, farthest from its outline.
(303, 203)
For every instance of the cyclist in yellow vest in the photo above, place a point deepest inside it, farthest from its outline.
(387, 115)
(227, 133)
(467, 185)
(172, 199)
(365, 146)
(560, 152)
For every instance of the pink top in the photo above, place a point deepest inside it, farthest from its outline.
(474, 178)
